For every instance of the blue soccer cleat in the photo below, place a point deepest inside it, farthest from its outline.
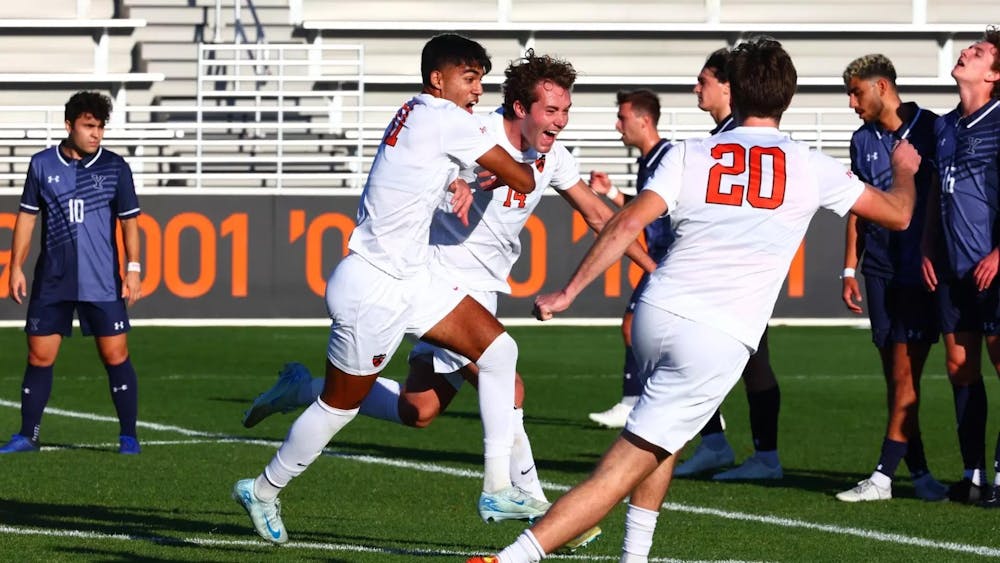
(512, 503)
(19, 444)
(282, 397)
(128, 445)
(266, 516)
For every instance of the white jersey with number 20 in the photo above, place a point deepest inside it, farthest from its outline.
(739, 203)
(421, 152)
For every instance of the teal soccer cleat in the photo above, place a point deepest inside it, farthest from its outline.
(512, 503)
(266, 516)
(282, 397)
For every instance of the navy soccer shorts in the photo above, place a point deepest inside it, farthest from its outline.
(966, 309)
(97, 318)
(900, 313)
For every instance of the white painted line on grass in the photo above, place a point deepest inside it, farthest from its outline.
(338, 547)
(900, 539)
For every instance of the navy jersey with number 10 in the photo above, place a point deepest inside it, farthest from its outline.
(80, 202)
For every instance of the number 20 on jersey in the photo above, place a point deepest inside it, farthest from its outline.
(756, 194)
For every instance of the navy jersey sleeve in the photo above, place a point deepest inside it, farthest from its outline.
(31, 197)
(127, 203)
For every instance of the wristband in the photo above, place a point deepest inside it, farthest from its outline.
(133, 267)
(613, 192)
(847, 273)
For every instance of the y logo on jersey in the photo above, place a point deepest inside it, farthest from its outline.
(54, 179)
(540, 163)
(378, 359)
(98, 181)
(973, 144)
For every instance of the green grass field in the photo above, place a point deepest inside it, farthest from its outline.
(388, 493)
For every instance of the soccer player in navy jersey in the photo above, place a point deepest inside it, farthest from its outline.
(903, 314)
(81, 191)
(961, 251)
(638, 115)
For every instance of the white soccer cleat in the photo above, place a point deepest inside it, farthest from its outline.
(705, 459)
(753, 469)
(266, 516)
(281, 397)
(865, 491)
(615, 417)
(926, 487)
(512, 503)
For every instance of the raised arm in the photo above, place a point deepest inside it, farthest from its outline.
(892, 209)
(519, 176)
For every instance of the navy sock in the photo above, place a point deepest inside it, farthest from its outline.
(996, 456)
(125, 394)
(714, 424)
(892, 453)
(764, 408)
(631, 384)
(35, 390)
(970, 413)
(915, 458)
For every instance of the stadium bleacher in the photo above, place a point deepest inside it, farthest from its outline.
(190, 121)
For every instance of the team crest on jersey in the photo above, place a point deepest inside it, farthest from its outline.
(540, 163)
(973, 144)
(378, 359)
(98, 181)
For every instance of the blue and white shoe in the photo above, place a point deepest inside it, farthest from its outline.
(128, 445)
(266, 516)
(282, 397)
(19, 444)
(512, 503)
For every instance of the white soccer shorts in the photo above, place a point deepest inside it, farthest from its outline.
(689, 367)
(445, 361)
(370, 312)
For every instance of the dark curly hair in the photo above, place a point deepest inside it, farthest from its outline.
(525, 73)
(94, 103)
(451, 49)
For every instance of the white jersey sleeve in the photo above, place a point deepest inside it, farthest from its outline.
(666, 179)
(420, 154)
(839, 188)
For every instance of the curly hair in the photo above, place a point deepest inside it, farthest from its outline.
(94, 103)
(527, 72)
(762, 78)
(869, 67)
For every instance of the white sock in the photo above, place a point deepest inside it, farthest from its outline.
(640, 523)
(522, 463)
(881, 480)
(383, 401)
(525, 549)
(311, 392)
(310, 433)
(496, 408)
(629, 400)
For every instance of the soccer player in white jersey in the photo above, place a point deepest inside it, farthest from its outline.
(740, 202)
(480, 256)
(380, 290)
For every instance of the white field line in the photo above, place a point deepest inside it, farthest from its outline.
(985, 551)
